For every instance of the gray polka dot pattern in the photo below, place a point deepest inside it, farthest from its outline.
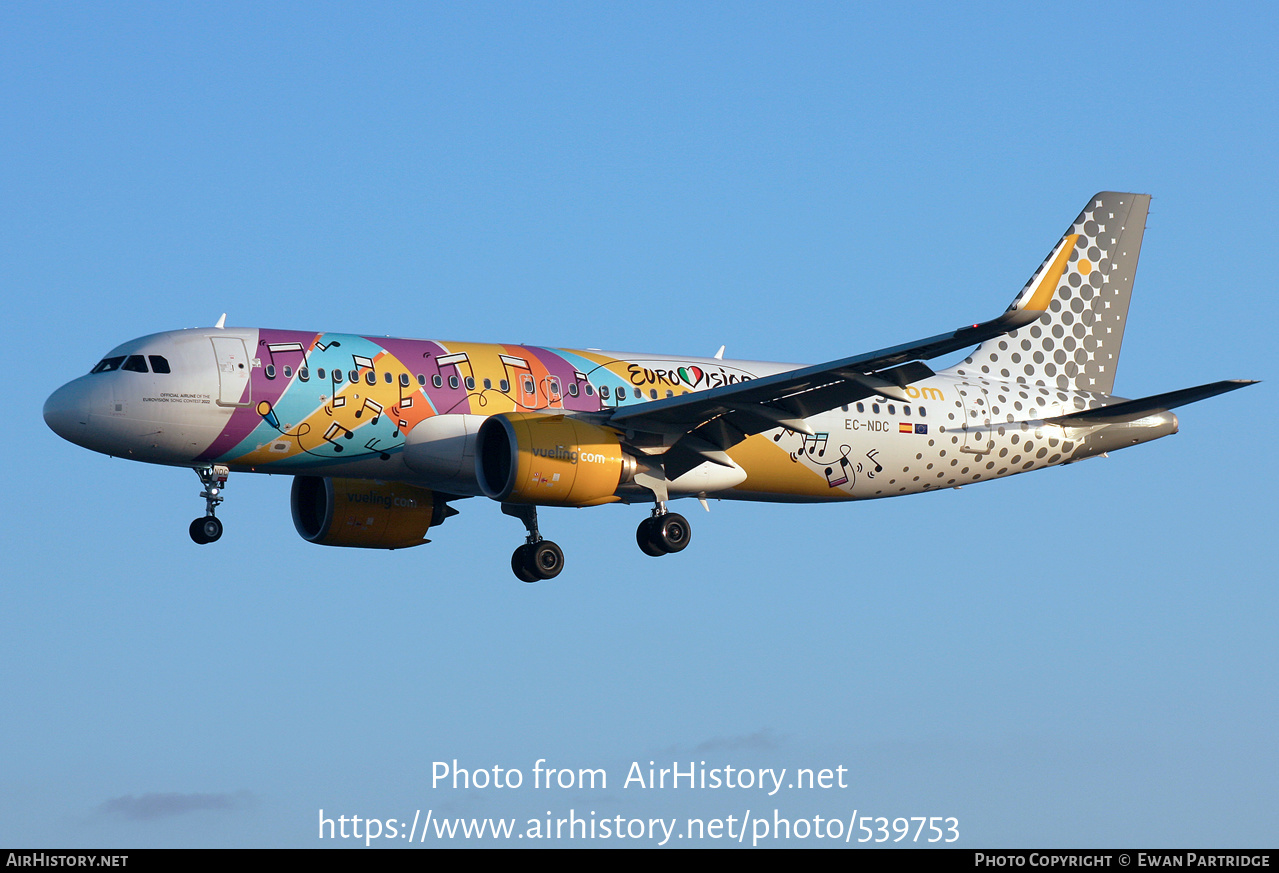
(1075, 344)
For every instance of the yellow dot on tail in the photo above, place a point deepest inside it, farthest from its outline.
(1085, 266)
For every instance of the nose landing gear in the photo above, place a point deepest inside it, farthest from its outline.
(208, 529)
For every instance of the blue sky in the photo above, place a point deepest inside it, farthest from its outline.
(1084, 656)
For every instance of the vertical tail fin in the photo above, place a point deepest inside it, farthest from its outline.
(1083, 288)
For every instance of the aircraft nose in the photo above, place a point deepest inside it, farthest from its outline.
(67, 411)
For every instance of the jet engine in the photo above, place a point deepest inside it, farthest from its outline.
(550, 460)
(364, 513)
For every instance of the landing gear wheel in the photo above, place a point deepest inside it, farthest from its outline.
(533, 562)
(671, 532)
(206, 530)
(548, 560)
(646, 536)
(522, 563)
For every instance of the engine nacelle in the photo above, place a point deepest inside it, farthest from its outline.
(442, 450)
(364, 513)
(550, 460)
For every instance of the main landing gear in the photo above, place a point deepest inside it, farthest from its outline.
(537, 558)
(663, 532)
(208, 529)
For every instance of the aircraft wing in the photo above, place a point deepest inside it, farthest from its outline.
(706, 423)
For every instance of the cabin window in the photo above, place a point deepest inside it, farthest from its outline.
(488, 383)
(470, 383)
(421, 380)
(452, 381)
(388, 378)
(159, 363)
(861, 407)
(288, 371)
(572, 390)
(305, 374)
(621, 393)
(371, 377)
(404, 380)
(590, 390)
(337, 377)
(135, 364)
(319, 373)
(437, 381)
(270, 371)
(604, 391)
(504, 386)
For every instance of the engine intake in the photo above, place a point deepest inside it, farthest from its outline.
(550, 460)
(364, 513)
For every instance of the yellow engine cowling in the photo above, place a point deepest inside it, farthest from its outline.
(364, 513)
(550, 460)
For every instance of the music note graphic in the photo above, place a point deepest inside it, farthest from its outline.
(810, 444)
(815, 444)
(846, 471)
(336, 430)
(878, 469)
(455, 361)
(374, 407)
(845, 468)
(523, 374)
(274, 349)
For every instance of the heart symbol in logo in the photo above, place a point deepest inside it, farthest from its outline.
(691, 375)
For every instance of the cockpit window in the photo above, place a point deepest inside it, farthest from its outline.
(135, 364)
(159, 363)
(106, 365)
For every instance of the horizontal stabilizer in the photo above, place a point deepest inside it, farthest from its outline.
(1131, 410)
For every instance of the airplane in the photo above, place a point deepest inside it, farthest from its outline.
(383, 435)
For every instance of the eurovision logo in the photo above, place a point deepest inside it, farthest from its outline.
(691, 375)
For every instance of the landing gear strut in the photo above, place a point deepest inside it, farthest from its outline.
(663, 532)
(537, 558)
(208, 529)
